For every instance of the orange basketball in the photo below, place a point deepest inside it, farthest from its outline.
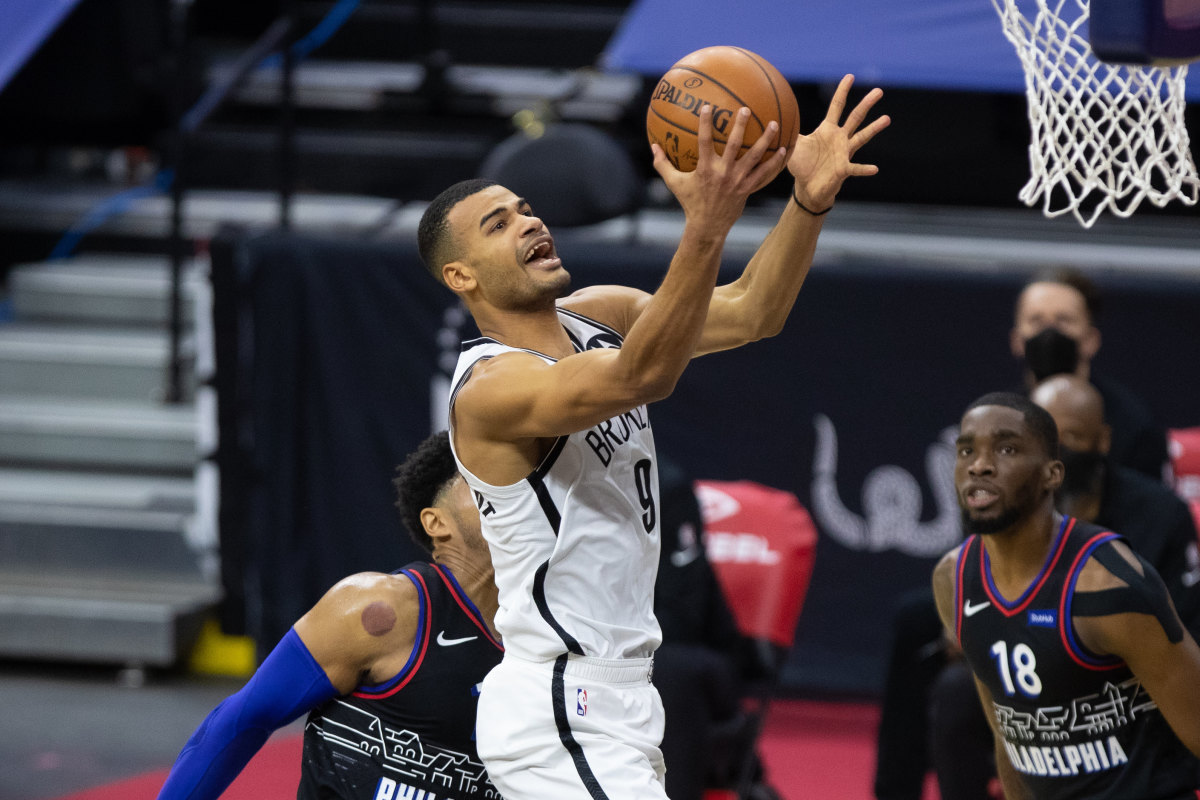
(728, 78)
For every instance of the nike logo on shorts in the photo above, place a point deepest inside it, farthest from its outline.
(444, 642)
(971, 610)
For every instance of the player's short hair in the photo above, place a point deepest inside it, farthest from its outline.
(435, 244)
(1037, 418)
(1075, 279)
(419, 481)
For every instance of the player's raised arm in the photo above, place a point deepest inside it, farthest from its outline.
(518, 396)
(757, 304)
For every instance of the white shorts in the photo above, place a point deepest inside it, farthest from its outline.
(572, 729)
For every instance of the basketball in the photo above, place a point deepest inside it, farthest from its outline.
(727, 78)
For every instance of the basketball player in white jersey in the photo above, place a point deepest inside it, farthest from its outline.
(549, 425)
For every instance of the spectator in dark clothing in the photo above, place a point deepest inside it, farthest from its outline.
(1157, 523)
(689, 603)
(917, 656)
(1054, 332)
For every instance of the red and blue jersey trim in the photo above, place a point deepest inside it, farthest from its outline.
(959, 568)
(1019, 605)
(1066, 628)
(464, 602)
(420, 646)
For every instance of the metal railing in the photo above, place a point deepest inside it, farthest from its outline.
(276, 38)
(277, 41)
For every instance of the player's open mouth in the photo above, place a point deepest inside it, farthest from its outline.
(541, 254)
(979, 497)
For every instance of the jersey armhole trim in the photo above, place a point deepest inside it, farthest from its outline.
(1066, 626)
(420, 646)
(959, 570)
(590, 321)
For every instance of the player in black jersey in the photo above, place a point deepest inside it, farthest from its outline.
(388, 666)
(1085, 672)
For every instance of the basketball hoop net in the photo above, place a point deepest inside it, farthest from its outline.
(1103, 136)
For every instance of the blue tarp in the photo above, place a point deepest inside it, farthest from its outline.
(24, 25)
(923, 44)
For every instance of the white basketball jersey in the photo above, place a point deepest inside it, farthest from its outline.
(575, 543)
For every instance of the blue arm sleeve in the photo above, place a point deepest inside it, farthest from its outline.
(288, 683)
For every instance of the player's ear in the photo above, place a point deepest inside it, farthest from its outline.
(458, 277)
(1054, 474)
(1105, 443)
(433, 520)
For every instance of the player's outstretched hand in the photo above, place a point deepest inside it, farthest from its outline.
(822, 160)
(714, 194)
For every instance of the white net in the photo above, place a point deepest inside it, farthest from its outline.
(1104, 136)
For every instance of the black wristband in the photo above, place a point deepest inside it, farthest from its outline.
(805, 208)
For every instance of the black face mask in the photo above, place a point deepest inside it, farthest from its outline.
(1051, 352)
(1083, 471)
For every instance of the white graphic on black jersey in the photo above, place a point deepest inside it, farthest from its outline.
(1076, 739)
(891, 500)
(401, 752)
(1068, 760)
(1115, 706)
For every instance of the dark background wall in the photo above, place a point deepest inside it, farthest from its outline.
(329, 356)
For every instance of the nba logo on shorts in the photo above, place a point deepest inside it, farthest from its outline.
(581, 701)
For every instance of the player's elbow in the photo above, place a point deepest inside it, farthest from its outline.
(768, 325)
(759, 329)
(647, 385)
(662, 389)
(758, 321)
(654, 387)
(641, 377)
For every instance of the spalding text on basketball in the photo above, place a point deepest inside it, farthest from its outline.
(676, 96)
